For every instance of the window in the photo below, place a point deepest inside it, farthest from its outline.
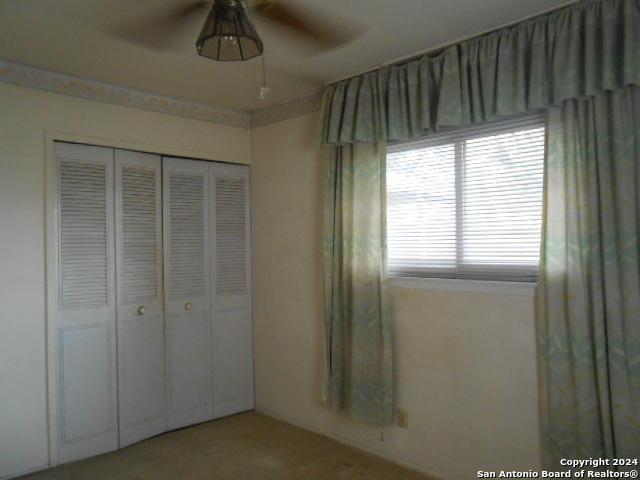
(467, 204)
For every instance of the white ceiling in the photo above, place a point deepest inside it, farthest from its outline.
(66, 36)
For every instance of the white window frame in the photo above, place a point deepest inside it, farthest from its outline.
(509, 280)
(500, 287)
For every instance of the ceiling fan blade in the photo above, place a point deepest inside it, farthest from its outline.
(162, 30)
(320, 29)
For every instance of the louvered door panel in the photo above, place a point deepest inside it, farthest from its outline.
(140, 223)
(231, 236)
(84, 269)
(232, 334)
(141, 368)
(85, 310)
(187, 299)
(187, 234)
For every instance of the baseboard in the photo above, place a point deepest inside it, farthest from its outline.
(416, 467)
(7, 476)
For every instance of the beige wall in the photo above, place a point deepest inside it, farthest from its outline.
(25, 115)
(465, 361)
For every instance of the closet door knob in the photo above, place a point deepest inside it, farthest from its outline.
(188, 306)
(142, 310)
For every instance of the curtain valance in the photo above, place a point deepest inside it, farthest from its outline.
(572, 53)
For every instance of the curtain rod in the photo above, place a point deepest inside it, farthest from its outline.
(440, 48)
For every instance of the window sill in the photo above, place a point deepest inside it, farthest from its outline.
(526, 289)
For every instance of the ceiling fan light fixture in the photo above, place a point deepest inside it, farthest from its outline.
(229, 34)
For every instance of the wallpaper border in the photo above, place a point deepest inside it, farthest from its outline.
(41, 79)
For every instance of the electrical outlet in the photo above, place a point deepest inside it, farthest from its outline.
(403, 418)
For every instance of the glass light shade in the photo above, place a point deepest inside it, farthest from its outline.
(228, 34)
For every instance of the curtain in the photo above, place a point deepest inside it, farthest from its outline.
(357, 320)
(576, 63)
(589, 291)
(575, 52)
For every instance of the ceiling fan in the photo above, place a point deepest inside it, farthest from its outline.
(229, 32)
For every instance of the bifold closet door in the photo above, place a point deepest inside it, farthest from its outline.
(232, 334)
(187, 291)
(140, 326)
(85, 324)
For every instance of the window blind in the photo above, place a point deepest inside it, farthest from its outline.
(467, 204)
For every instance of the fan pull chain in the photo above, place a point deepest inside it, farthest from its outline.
(264, 91)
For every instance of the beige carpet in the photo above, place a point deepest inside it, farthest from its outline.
(247, 446)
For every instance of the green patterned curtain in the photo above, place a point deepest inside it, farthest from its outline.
(357, 321)
(578, 61)
(589, 291)
(575, 52)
